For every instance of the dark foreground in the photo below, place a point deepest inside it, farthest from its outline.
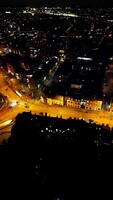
(51, 158)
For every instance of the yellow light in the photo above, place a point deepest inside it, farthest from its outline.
(6, 123)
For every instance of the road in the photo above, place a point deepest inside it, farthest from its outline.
(35, 106)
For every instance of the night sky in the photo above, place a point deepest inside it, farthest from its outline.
(61, 3)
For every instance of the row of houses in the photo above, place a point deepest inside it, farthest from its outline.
(74, 103)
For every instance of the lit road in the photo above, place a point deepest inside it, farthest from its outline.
(9, 113)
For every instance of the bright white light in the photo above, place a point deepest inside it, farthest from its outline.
(18, 93)
(13, 104)
(8, 12)
(10, 51)
(34, 9)
(29, 76)
(111, 58)
(40, 67)
(84, 58)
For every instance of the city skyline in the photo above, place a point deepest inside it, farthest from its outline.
(50, 3)
(73, 61)
(56, 98)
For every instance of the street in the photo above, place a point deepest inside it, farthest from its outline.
(36, 107)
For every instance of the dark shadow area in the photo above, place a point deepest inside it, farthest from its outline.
(56, 158)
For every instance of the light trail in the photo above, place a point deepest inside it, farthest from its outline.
(6, 123)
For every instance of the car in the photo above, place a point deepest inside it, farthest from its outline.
(26, 106)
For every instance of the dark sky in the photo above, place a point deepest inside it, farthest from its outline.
(57, 2)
